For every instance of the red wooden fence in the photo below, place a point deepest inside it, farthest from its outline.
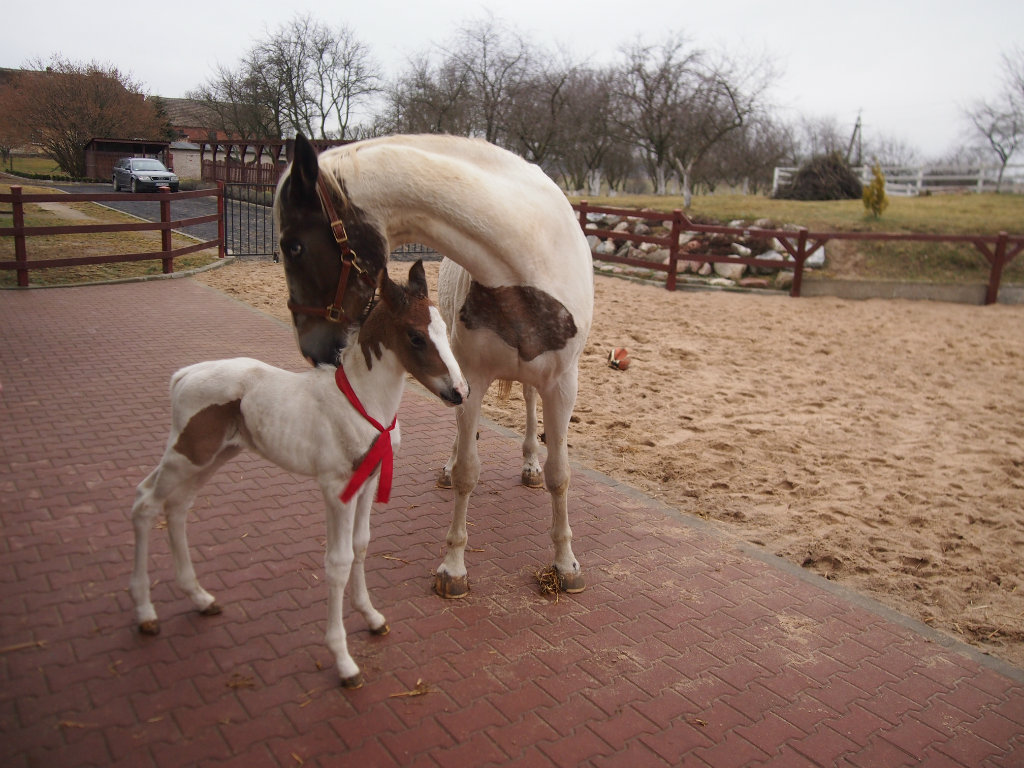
(998, 250)
(166, 254)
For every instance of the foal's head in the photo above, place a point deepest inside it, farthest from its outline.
(405, 322)
(313, 258)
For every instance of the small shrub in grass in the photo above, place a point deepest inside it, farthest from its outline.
(875, 200)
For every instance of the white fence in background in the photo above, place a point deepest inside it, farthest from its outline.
(901, 181)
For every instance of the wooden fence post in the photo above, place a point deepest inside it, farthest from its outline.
(165, 234)
(996, 270)
(800, 257)
(20, 253)
(673, 250)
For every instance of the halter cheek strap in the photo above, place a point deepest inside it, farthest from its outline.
(349, 261)
(381, 453)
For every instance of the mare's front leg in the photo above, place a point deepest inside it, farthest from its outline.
(451, 579)
(533, 476)
(559, 399)
(338, 565)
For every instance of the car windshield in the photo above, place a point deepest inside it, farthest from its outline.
(148, 165)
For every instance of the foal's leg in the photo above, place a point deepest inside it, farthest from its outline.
(338, 566)
(451, 579)
(533, 477)
(145, 508)
(361, 541)
(170, 488)
(559, 397)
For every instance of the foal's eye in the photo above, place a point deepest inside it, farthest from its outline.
(293, 249)
(417, 340)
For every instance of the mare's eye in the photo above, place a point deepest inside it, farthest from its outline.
(293, 249)
(417, 340)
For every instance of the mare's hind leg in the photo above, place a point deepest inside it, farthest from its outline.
(532, 477)
(559, 399)
(451, 579)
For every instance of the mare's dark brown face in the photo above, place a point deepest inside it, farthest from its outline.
(312, 257)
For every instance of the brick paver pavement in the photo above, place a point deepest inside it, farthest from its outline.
(687, 647)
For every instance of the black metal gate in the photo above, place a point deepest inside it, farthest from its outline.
(249, 221)
(249, 229)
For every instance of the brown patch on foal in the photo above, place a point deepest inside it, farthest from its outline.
(526, 318)
(203, 437)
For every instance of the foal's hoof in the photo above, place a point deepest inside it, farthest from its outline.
(351, 683)
(151, 627)
(451, 587)
(533, 478)
(211, 610)
(444, 479)
(380, 631)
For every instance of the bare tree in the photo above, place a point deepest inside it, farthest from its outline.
(721, 99)
(305, 76)
(653, 86)
(430, 98)
(62, 104)
(1000, 123)
(540, 116)
(590, 137)
(493, 60)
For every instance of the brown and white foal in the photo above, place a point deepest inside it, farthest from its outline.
(329, 423)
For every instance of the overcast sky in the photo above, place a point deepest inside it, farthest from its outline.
(909, 66)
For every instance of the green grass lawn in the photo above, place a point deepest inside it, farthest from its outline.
(40, 165)
(955, 214)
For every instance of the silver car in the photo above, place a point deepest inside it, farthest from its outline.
(142, 173)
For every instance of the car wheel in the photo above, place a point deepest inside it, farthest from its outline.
(135, 186)
(116, 188)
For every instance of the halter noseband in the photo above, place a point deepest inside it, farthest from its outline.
(349, 261)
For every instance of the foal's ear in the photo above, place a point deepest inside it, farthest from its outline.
(392, 294)
(305, 169)
(418, 280)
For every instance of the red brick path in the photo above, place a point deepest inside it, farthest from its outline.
(686, 646)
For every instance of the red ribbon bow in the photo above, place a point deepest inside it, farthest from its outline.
(380, 452)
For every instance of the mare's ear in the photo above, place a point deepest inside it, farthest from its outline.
(305, 170)
(390, 292)
(418, 280)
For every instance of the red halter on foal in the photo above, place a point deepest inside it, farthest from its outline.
(349, 261)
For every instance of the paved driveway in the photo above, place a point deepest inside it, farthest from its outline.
(687, 648)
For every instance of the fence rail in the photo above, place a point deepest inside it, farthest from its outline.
(167, 253)
(903, 181)
(998, 250)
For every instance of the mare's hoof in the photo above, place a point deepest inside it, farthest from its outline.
(571, 583)
(151, 627)
(444, 479)
(380, 631)
(451, 587)
(211, 610)
(351, 683)
(533, 479)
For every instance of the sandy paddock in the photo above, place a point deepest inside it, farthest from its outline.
(877, 443)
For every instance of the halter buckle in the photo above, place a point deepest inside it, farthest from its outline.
(334, 313)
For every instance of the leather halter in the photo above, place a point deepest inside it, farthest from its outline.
(349, 261)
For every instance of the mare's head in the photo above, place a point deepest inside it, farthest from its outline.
(304, 207)
(405, 322)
